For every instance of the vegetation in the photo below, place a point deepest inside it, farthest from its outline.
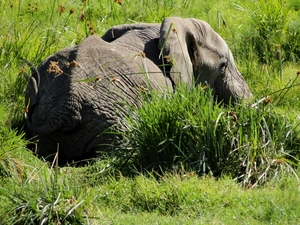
(188, 160)
(186, 129)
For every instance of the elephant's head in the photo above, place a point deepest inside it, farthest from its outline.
(198, 54)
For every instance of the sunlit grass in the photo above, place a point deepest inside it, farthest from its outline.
(186, 129)
(45, 197)
(62, 196)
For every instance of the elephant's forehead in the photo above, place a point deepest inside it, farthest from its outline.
(211, 54)
(217, 45)
(211, 40)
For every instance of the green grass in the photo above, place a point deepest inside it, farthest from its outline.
(206, 199)
(207, 164)
(63, 196)
(252, 144)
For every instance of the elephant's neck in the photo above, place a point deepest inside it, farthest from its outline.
(137, 39)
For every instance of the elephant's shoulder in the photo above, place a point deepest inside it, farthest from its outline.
(91, 41)
(93, 46)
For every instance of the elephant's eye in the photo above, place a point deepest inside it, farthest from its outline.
(223, 65)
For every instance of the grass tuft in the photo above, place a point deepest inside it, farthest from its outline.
(186, 129)
(46, 198)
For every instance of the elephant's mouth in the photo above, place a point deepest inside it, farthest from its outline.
(166, 69)
(33, 128)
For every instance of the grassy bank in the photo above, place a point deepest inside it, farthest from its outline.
(78, 196)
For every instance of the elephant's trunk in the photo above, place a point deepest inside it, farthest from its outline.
(232, 87)
(54, 121)
(238, 85)
(45, 116)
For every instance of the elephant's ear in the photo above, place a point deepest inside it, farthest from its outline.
(117, 31)
(178, 44)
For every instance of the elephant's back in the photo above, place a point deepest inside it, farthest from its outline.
(109, 67)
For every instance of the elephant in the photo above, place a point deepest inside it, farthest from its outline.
(77, 97)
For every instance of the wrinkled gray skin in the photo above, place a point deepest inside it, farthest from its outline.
(73, 105)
